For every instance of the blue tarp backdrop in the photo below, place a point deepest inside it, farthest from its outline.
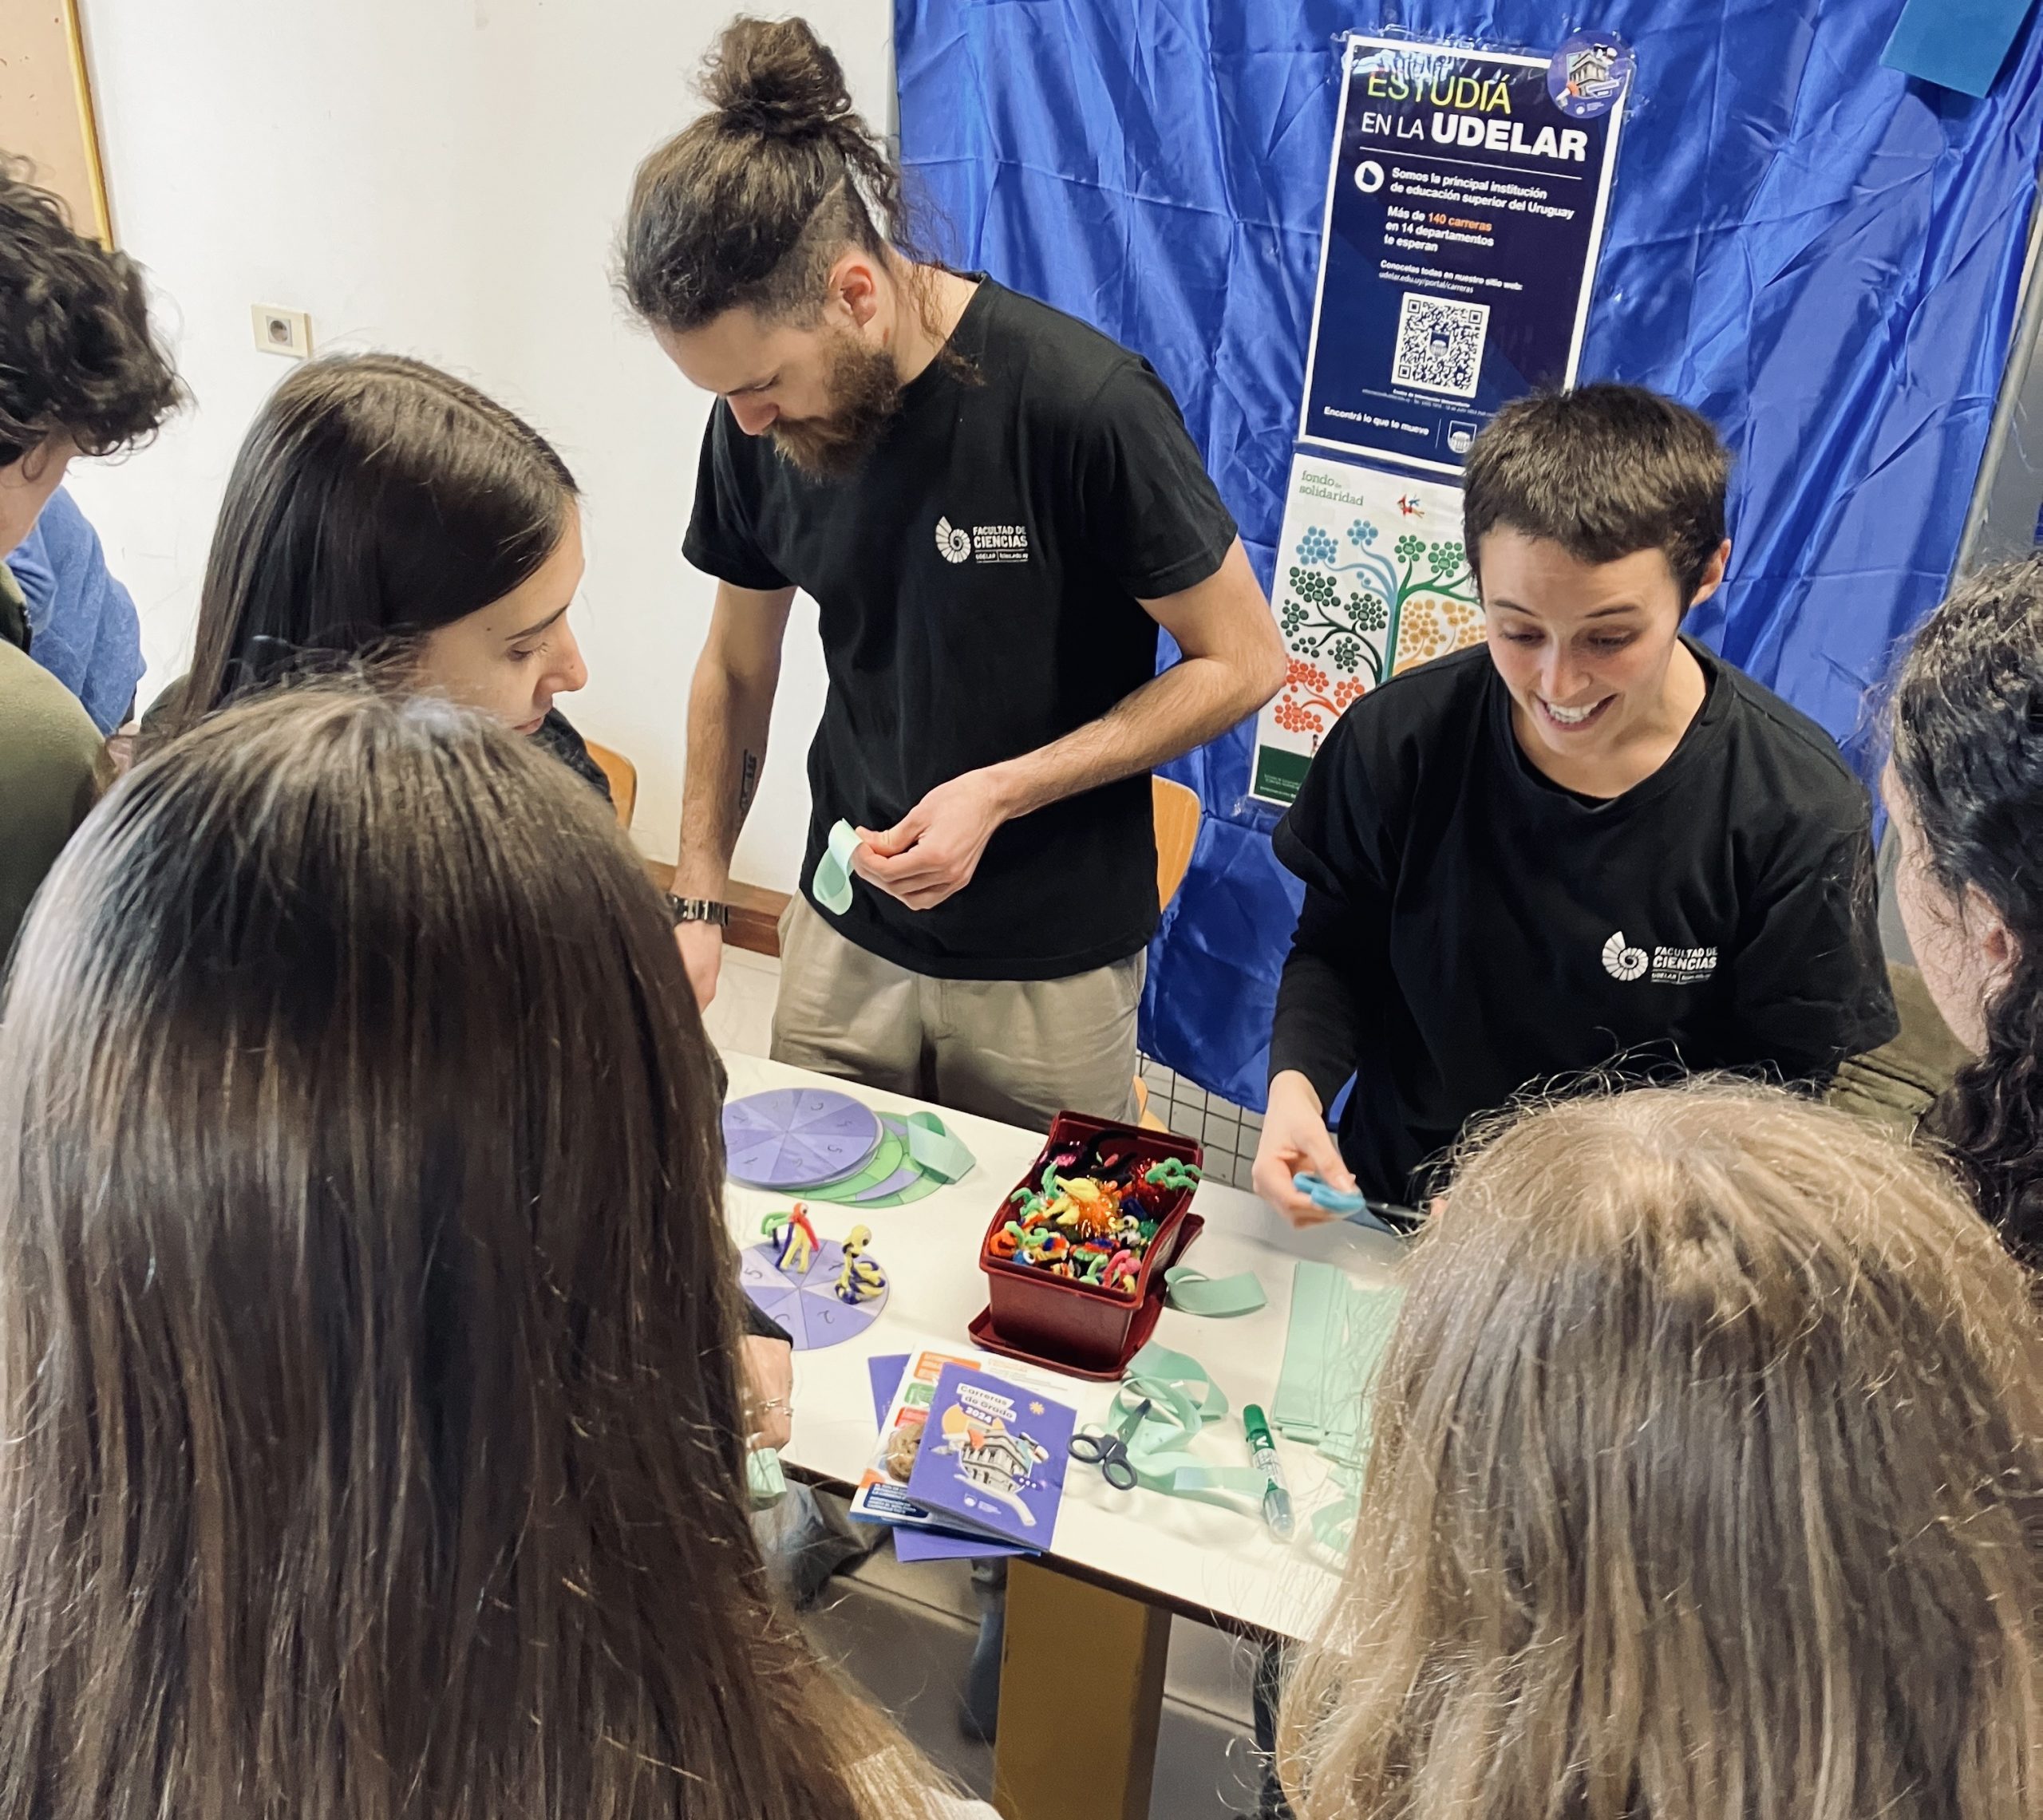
(1820, 254)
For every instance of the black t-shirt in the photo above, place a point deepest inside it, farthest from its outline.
(557, 735)
(1470, 929)
(978, 580)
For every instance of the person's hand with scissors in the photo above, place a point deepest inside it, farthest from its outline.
(931, 853)
(1295, 1141)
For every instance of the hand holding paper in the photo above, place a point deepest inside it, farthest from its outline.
(931, 853)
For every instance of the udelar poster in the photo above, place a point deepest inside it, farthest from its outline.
(1371, 579)
(1465, 201)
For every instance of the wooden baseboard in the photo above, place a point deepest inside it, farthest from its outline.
(755, 924)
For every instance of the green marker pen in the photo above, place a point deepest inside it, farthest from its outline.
(1262, 1452)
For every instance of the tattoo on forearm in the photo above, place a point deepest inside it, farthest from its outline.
(748, 782)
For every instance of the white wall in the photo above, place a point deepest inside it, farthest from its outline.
(444, 178)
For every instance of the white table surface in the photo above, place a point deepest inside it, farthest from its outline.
(1196, 1555)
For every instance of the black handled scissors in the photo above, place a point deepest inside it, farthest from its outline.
(1109, 1451)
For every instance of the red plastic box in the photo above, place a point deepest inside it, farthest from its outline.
(1073, 1326)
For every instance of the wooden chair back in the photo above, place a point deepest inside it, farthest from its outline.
(1177, 813)
(623, 776)
(1177, 834)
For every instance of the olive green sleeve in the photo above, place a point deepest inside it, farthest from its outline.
(52, 761)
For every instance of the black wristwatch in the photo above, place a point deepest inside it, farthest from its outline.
(698, 909)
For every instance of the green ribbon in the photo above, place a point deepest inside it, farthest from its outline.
(1334, 1523)
(931, 1145)
(832, 882)
(763, 1478)
(1182, 1398)
(1339, 1334)
(1193, 1292)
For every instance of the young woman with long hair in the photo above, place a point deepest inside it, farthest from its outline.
(384, 514)
(1707, 1481)
(1964, 787)
(374, 1447)
(383, 511)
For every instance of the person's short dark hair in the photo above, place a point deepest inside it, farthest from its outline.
(749, 205)
(1603, 471)
(76, 355)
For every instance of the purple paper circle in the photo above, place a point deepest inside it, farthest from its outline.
(807, 1306)
(798, 1137)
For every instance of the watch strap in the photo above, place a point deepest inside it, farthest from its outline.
(699, 910)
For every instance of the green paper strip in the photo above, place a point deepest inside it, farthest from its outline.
(1338, 1337)
(1295, 1411)
(935, 1150)
(1193, 1292)
(1333, 1524)
(919, 1138)
(832, 882)
(763, 1478)
(1183, 1399)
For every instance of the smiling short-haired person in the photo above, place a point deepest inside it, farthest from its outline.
(1586, 843)
(994, 507)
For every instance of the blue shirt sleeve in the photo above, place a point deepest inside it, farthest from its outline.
(82, 622)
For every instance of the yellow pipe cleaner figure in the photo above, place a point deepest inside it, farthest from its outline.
(861, 1279)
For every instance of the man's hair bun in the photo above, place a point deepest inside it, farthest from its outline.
(777, 78)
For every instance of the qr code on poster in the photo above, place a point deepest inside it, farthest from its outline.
(1439, 345)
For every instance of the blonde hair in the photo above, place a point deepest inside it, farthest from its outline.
(1708, 1480)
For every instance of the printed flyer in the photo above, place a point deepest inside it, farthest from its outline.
(1371, 579)
(992, 1457)
(1464, 209)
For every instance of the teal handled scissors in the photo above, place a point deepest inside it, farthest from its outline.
(1096, 1446)
(1358, 1208)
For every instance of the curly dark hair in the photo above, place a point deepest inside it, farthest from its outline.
(76, 355)
(1967, 723)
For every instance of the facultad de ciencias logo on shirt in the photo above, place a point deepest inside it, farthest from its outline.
(1668, 966)
(982, 542)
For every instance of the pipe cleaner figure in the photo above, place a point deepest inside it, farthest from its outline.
(861, 1279)
(1090, 1206)
(795, 1242)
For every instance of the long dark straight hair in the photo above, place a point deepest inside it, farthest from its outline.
(367, 1314)
(1967, 720)
(374, 499)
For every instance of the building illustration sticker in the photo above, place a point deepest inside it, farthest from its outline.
(1371, 579)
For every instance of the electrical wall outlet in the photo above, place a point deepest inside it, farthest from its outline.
(286, 332)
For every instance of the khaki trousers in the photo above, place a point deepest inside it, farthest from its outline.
(1020, 1051)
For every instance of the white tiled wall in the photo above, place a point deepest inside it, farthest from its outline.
(1229, 1133)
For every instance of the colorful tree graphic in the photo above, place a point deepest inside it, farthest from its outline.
(1346, 615)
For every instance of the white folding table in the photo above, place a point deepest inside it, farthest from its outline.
(1097, 1605)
